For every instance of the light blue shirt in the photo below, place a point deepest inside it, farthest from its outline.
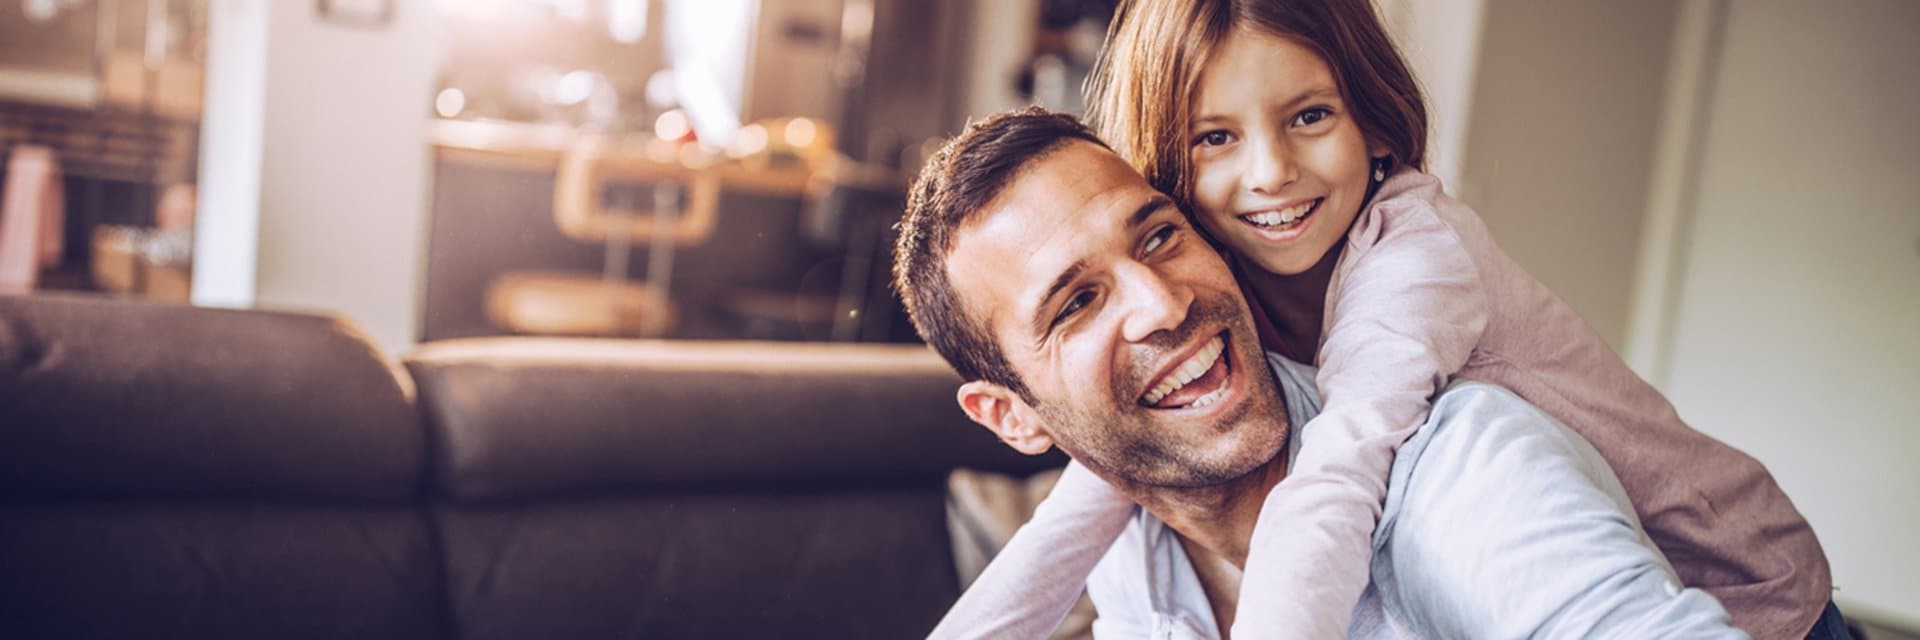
(1499, 522)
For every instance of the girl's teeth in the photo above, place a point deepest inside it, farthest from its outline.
(1285, 216)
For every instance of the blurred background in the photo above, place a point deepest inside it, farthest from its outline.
(1725, 188)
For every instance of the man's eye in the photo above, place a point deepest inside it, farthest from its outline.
(1159, 238)
(1213, 138)
(1074, 305)
(1311, 117)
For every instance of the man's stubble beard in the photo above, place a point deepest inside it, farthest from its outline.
(1128, 444)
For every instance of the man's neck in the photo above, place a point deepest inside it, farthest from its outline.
(1220, 518)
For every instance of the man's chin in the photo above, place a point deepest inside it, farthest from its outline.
(1253, 436)
(1239, 444)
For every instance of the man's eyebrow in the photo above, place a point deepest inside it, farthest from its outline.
(1147, 209)
(1040, 319)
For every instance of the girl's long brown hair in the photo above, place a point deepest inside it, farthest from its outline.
(1139, 96)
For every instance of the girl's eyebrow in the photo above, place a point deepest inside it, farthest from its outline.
(1316, 92)
(1207, 119)
(1312, 93)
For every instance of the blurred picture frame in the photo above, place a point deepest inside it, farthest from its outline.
(360, 13)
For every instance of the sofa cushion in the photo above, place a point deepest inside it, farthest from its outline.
(188, 569)
(857, 563)
(516, 418)
(103, 398)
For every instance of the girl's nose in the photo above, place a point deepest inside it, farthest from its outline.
(1269, 167)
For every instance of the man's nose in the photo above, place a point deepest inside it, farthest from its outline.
(1269, 165)
(1152, 302)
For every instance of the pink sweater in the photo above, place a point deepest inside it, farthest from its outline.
(1421, 295)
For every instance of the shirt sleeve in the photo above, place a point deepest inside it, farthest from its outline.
(1506, 524)
(1031, 584)
(1405, 311)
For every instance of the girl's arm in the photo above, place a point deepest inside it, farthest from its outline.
(1402, 319)
(1029, 586)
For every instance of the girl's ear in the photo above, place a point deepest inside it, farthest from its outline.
(1004, 413)
(1377, 151)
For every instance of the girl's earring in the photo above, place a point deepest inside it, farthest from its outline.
(1379, 171)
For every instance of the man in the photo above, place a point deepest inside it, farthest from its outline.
(1066, 291)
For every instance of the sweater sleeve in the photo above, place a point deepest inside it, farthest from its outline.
(1029, 586)
(1404, 312)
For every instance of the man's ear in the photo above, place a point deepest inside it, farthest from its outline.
(1004, 413)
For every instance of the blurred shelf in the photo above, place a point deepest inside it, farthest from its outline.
(540, 147)
(106, 144)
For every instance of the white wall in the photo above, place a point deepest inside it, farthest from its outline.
(227, 222)
(1442, 41)
(331, 118)
(1796, 331)
(1001, 31)
(1566, 111)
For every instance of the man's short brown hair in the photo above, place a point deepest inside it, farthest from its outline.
(959, 181)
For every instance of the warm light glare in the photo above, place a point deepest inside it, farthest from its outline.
(750, 140)
(450, 102)
(574, 87)
(856, 20)
(660, 93)
(575, 10)
(476, 9)
(672, 125)
(692, 155)
(627, 20)
(801, 132)
(707, 45)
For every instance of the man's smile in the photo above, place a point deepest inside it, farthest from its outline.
(1197, 380)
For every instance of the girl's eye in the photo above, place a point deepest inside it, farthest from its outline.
(1213, 138)
(1311, 117)
(1159, 238)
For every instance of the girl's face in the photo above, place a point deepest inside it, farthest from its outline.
(1280, 167)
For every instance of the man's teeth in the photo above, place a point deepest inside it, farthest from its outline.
(1192, 368)
(1281, 217)
(1209, 398)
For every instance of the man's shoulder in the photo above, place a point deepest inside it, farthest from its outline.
(1503, 521)
(1469, 415)
(1481, 437)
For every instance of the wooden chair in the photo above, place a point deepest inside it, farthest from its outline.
(611, 304)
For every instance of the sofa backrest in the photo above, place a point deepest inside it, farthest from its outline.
(178, 472)
(167, 471)
(687, 489)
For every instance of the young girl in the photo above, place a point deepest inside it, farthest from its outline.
(1294, 134)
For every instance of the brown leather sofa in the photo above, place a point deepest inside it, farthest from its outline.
(167, 471)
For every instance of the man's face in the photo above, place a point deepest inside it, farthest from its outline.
(1126, 326)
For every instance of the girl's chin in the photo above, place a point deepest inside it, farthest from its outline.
(1283, 263)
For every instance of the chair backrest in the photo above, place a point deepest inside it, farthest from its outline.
(581, 176)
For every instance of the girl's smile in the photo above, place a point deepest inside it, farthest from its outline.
(1284, 222)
